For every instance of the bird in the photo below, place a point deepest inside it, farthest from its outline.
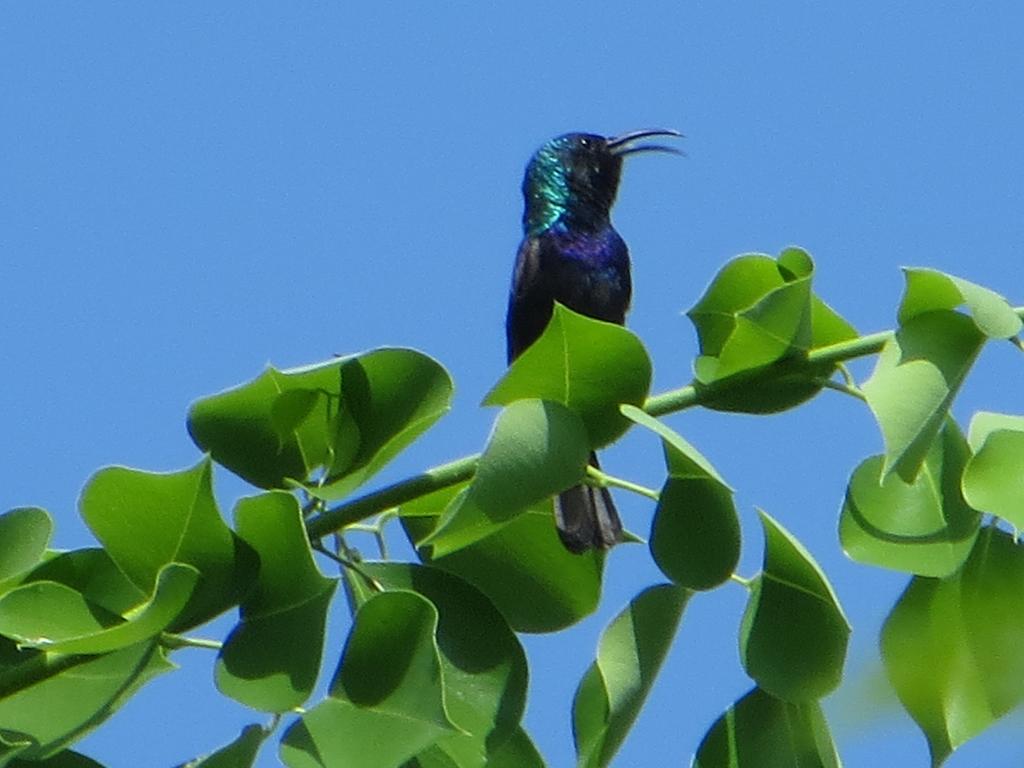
(571, 253)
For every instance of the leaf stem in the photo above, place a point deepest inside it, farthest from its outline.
(174, 642)
(745, 583)
(844, 371)
(847, 389)
(603, 479)
(346, 562)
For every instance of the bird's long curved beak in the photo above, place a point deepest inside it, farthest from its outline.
(624, 144)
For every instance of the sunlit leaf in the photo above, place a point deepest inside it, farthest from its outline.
(756, 311)
(761, 731)
(24, 534)
(56, 699)
(390, 397)
(681, 458)
(794, 634)
(240, 753)
(615, 686)
(345, 418)
(918, 374)
(952, 646)
(55, 617)
(536, 583)
(386, 702)
(993, 480)
(271, 658)
(924, 527)
(695, 534)
(147, 520)
(11, 745)
(536, 449)
(928, 290)
(93, 573)
(482, 663)
(587, 365)
(759, 314)
(517, 751)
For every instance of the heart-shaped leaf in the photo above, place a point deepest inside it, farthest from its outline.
(918, 374)
(794, 634)
(924, 527)
(271, 659)
(537, 448)
(613, 689)
(761, 731)
(587, 365)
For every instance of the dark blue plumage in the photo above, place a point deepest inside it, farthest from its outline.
(571, 254)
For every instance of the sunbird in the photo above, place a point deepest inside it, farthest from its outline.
(572, 254)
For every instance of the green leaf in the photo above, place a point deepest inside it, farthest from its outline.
(614, 688)
(681, 458)
(54, 617)
(924, 527)
(391, 663)
(10, 746)
(346, 418)
(278, 426)
(760, 313)
(915, 380)
(695, 534)
(55, 699)
(147, 520)
(929, 290)
(240, 753)
(64, 759)
(271, 658)
(761, 731)
(794, 634)
(483, 666)
(24, 534)
(951, 647)
(993, 480)
(774, 325)
(587, 365)
(386, 701)
(992, 600)
(338, 734)
(391, 397)
(94, 574)
(524, 569)
(537, 448)
(516, 752)
(985, 423)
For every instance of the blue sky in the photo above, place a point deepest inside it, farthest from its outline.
(193, 190)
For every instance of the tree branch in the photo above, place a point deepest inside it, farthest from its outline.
(461, 470)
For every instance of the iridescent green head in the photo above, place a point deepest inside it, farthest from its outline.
(573, 179)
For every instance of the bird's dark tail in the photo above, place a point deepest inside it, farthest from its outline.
(586, 518)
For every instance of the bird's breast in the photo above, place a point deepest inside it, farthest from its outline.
(591, 272)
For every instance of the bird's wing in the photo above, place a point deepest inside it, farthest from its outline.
(527, 269)
(529, 301)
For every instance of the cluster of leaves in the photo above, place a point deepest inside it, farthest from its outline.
(433, 674)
